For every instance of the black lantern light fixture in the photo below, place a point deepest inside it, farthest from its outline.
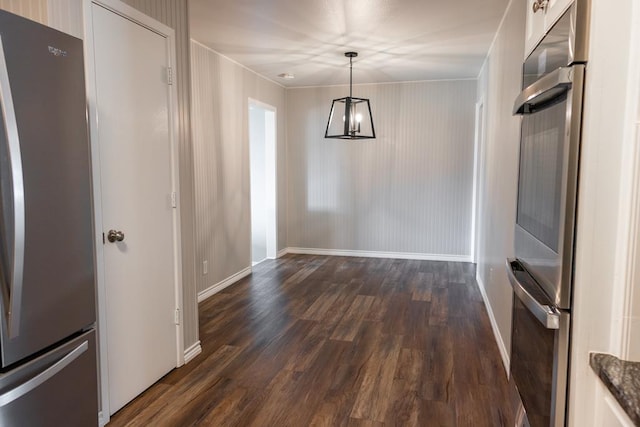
(350, 118)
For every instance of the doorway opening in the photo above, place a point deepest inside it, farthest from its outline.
(262, 161)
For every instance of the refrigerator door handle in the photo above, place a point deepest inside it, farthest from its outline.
(547, 315)
(14, 293)
(45, 375)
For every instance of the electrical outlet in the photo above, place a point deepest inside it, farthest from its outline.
(205, 267)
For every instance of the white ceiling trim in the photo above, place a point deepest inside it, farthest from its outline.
(204, 46)
(387, 83)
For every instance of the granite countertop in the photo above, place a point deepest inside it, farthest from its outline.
(622, 378)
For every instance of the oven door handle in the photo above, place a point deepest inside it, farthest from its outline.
(547, 315)
(543, 91)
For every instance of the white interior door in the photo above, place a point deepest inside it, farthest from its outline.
(134, 138)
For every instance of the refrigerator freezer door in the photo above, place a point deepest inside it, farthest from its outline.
(45, 71)
(58, 388)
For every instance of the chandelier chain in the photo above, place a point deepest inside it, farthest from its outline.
(350, 77)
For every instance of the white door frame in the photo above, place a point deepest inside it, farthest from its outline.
(138, 17)
(478, 178)
(265, 106)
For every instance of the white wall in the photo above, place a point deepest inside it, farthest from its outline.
(408, 191)
(221, 92)
(498, 85)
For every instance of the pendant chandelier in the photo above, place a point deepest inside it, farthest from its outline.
(350, 118)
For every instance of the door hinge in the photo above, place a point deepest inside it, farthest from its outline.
(177, 316)
(174, 202)
(169, 75)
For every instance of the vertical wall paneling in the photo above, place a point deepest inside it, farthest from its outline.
(498, 85)
(66, 16)
(407, 191)
(221, 92)
(36, 10)
(174, 13)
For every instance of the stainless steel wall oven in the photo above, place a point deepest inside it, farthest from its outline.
(541, 272)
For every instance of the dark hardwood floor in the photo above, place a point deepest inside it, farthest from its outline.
(336, 341)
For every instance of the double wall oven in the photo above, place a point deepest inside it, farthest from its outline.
(541, 274)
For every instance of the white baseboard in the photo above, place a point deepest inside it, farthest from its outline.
(193, 350)
(282, 252)
(494, 325)
(102, 420)
(375, 254)
(223, 284)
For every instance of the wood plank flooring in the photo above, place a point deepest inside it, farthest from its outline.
(338, 341)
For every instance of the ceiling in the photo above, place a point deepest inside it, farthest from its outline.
(397, 40)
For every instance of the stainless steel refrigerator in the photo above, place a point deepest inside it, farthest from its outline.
(47, 309)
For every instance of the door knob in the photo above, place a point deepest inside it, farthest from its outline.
(115, 236)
